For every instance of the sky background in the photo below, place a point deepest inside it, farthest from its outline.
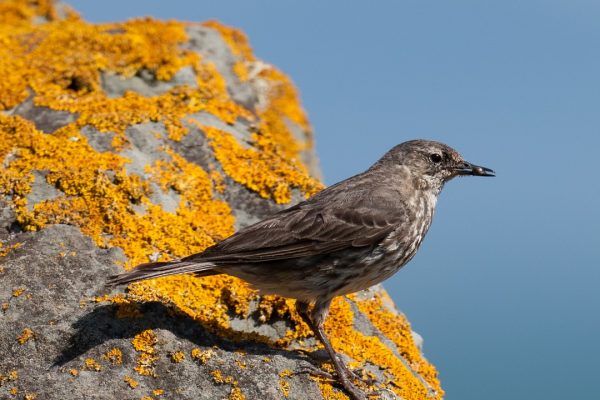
(505, 288)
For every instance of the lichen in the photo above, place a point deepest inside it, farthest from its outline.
(114, 355)
(5, 250)
(92, 365)
(236, 392)
(25, 335)
(284, 384)
(264, 168)
(177, 356)
(144, 343)
(202, 355)
(132, 383)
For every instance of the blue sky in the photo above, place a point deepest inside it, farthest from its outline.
(505, 287)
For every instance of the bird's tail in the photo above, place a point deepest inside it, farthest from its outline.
(159, 269)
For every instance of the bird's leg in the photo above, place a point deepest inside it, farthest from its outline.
(302, 309)
(315, 321)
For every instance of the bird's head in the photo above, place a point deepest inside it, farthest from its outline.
(433, 162)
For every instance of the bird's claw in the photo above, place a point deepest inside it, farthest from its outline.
(345, 382)
(314, 371)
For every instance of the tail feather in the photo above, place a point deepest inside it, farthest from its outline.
(159, 269)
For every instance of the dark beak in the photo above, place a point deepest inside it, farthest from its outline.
(475, 170)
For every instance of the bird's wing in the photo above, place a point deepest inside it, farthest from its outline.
(335, 222)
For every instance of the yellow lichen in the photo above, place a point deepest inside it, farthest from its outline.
(17, 292)
(236, 394)
(92, 365)
(264, 169)
(131, 382)
(158, 392)
(26, 334)
(73, 372)
(285, 387)
(144, 343)
(4, 251)
(202, 355)
(177, 356)
(329, 393)
(114, 355)
(219, 378)
(344, 338)
(282, 100)
(126, 308)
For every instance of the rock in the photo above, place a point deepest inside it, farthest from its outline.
(116, 150)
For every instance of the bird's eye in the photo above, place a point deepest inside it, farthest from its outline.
(436, 158)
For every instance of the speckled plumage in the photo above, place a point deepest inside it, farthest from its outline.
(346, 238)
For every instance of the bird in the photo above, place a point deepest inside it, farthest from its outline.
(346, 238)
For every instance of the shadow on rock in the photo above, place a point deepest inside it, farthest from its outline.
(102, 325)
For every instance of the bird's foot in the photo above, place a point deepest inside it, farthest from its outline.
(350, 374)
(345, 379)
(358, 375)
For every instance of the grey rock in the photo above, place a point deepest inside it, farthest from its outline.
(213, 48)
(100, 141)
(41, 190)
(45, 119)
(145, 83)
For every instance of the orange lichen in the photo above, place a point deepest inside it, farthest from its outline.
(4, 251)
(264, 169)
(236, 394)
(202, 355)
(236, 39)
(219, 378)
(158, 392)
(145, 343)
(30, 396)
(131, 382)
(26, 334)
(14, 391)
(17, 292)
(126, 308)
(284, 385)
(114, 355)
(361, 348)
(328, 392)
(73, 372)
(281, 98)
(92, 365)
(177, 356)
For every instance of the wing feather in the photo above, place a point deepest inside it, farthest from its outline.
(328, 222)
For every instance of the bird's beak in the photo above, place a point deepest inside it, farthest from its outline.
(475, 170)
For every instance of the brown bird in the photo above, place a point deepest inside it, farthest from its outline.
(348, 237)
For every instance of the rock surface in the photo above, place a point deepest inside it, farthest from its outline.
(145, 140)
